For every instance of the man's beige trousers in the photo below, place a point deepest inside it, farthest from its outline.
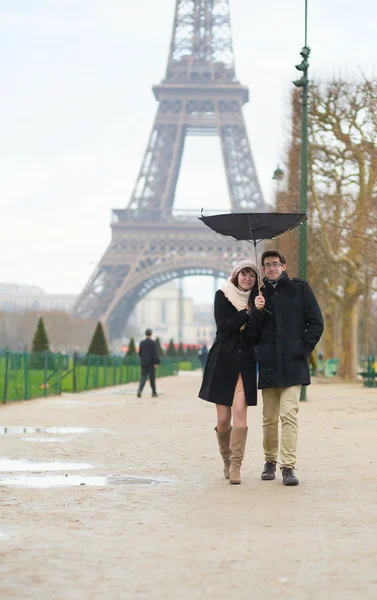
(283, 403)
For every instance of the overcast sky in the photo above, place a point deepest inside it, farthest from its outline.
(76, 108)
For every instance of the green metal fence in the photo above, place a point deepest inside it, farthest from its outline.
(25, 375)
(369, 372)
(331, 367)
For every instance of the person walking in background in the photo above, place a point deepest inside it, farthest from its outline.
(149, 360)
(229, 379)
(203, 355)
(292, 327)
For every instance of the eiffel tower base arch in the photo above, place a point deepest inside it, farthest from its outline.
(145, 254)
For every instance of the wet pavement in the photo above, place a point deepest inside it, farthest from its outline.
(124, 392)
(20, 430)
(127, 500)
(57, 481)
(13, 465)
(47, 440)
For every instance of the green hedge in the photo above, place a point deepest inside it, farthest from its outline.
(189, 365)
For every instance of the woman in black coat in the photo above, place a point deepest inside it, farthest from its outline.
(229, 379)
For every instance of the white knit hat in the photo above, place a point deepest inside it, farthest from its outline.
(243, 264)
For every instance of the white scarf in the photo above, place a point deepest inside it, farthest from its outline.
(237, 297)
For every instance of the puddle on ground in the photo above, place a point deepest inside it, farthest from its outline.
(132, 480)
(88, 403)
(79, 480)
(122, 392)
(44, 440)
(109, 391)
(195, 373)
(8, 465)
(12, 429)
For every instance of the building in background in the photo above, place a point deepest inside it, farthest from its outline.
(21, 298)
(160, 311)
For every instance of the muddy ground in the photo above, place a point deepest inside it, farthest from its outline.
(161, 522)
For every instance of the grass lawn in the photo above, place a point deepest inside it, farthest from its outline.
(23, 383)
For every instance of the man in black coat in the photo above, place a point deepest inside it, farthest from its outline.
(203, 355)
(291, 329)
(149, 361)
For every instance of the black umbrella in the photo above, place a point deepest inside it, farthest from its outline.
(253, 227)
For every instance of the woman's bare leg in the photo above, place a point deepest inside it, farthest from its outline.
(239, 407)
(224, 415)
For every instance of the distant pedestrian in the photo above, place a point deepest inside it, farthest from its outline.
(229, 379)
(203, 355)
(149, 361)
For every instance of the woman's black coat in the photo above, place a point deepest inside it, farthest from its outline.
(232, 353)
(291, 329)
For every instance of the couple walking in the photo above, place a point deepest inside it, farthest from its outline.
(285, 323)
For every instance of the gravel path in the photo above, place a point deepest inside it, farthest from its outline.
(160, 522)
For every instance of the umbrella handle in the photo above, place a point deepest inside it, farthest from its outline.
(256, 254)
(256, 262)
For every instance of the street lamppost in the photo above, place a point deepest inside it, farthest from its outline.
(303, 83)
(278, 176)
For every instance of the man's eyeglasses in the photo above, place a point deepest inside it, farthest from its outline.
(274, 265)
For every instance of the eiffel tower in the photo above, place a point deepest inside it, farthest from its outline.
(151, 242)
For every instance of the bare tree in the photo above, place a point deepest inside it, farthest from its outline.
(342, 209)
(343, 178)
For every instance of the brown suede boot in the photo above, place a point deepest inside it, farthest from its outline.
(237, 446)
(223, 438)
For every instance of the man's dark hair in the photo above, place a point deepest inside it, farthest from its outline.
(271, 253)
(148, 332)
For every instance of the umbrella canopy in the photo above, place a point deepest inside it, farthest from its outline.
(254, 227)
